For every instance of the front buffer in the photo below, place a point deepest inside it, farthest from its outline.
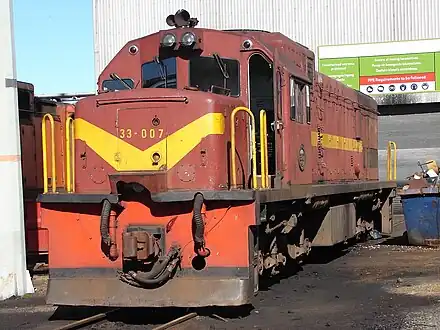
(142, 253)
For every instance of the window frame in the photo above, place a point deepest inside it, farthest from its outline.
(299, 112)
(128, 81)
(223, 59)
(152, 61)
(308, 105)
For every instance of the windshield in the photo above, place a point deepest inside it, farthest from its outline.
(159, 74)
(206, 72)
(116, 85)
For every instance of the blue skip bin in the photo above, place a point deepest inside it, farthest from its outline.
(421, 212)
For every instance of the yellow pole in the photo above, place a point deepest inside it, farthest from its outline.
(254, 151)
(263, 150)
(44, 147)
(391, 161)
(70, 154)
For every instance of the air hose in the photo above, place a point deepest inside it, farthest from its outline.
(161, 271)
(104, 227)
(199, 227)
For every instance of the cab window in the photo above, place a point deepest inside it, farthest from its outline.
(24, 99)
(159, 74)
(299, 101)
(116, 85)
(207, 74)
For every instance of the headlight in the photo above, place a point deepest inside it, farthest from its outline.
(188, 39)
(168, 40)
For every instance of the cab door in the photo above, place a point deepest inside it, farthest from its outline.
(299, 119)
(277, 126)
(293, 125)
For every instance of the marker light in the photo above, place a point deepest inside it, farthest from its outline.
(156, 157)
(188, 39)
(168, 40)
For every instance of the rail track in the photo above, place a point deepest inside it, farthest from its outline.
(102, 318)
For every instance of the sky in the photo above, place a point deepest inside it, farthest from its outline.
(54, 45)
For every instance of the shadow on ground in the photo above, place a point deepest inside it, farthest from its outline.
(368, 286)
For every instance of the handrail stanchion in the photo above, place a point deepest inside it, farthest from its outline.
(391, 161)
(70, 154)
(254, 151)
(44, 147)
(263, 150)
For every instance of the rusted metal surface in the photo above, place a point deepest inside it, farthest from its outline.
(338, 225)
(417, 184)
(294, 192)
(139, 245)
(301, 191)
(112, 226)
(180, 292)
(215, 165)
(156, 181)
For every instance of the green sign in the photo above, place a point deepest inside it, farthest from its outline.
(345, 70)
(437, 70)
(396, 64)
(385, 74)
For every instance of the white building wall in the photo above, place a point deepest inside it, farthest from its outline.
(310, 22)
(15, 279)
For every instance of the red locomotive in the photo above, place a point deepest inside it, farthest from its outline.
(32, 110)
(207, 159)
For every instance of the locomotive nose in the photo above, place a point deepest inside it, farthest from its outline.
(142, 134)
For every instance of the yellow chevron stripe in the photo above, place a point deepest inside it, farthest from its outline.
(123, 156)
(330, 141)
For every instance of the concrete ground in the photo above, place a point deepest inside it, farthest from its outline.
(374, 285)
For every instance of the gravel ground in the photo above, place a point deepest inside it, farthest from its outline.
(375, 285)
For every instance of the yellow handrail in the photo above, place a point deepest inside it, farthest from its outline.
(70, 155)
(391, 170)
(44, 147)
(254, 150)
(263, 150)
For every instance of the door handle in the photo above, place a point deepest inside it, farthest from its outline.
(276, 125)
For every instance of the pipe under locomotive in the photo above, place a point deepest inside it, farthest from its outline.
(208, 159)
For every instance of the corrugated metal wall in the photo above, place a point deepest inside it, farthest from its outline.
(310, 22)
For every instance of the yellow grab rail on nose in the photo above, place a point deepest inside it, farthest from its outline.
(263, 150)
(391, 165)
(44, 147)
(70, 155)
(254, 150)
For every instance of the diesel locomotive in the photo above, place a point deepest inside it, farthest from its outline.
(32, 112)
(207, 159)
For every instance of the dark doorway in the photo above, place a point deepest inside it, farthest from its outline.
(261, 97)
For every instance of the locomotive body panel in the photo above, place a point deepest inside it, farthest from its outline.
(122, 147)
(83, 254)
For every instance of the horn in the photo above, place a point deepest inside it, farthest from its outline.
(182, 17)
(170, 20)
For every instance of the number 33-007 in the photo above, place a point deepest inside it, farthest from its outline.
(127, 133)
